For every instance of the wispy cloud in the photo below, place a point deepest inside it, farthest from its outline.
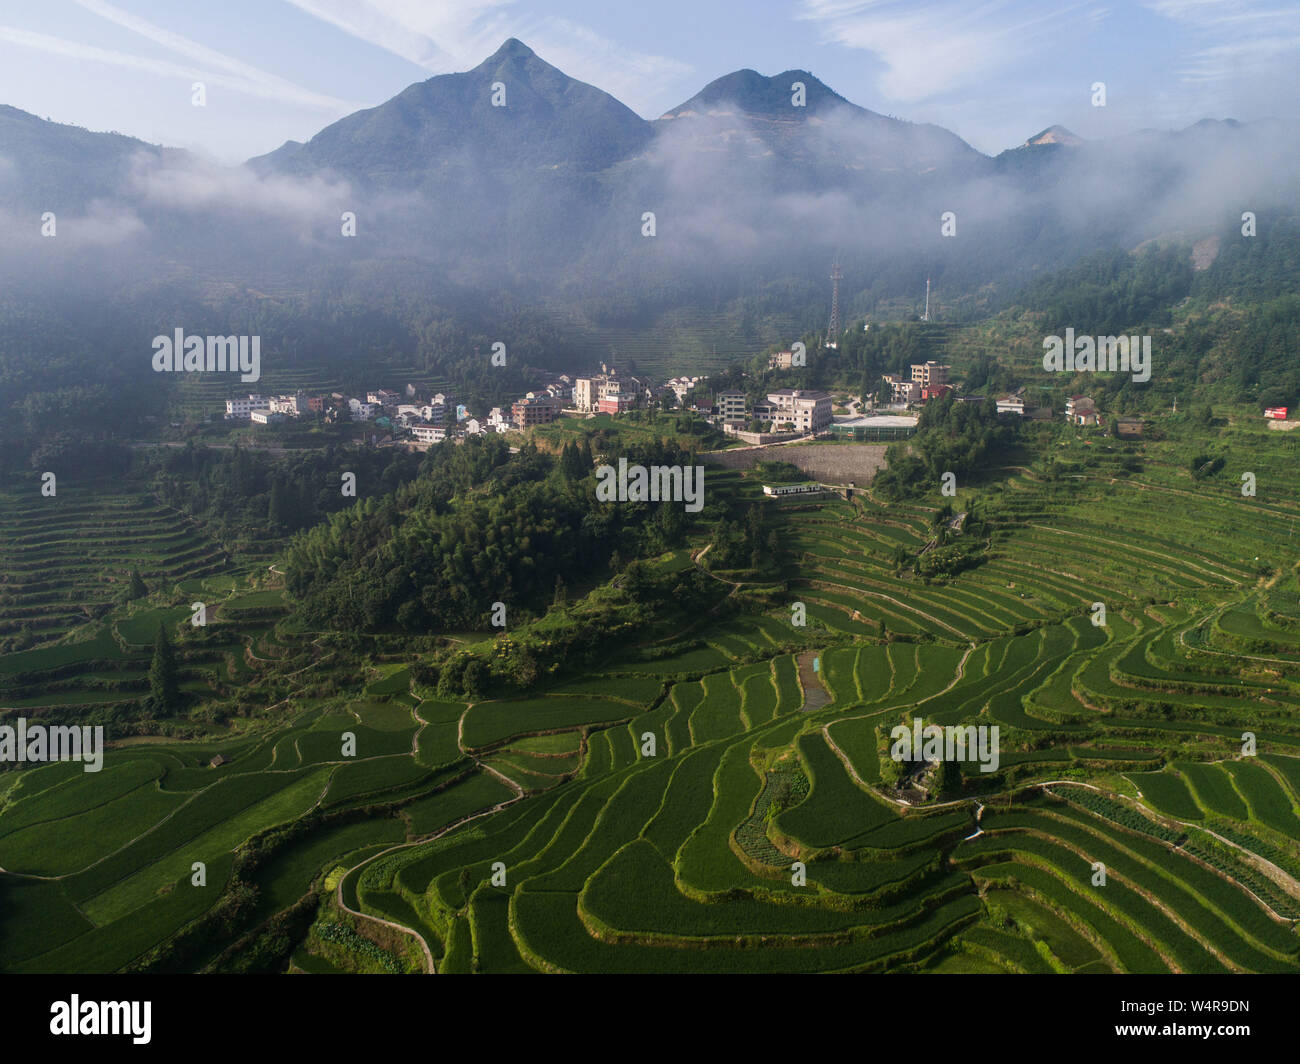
(459, 34)
(1235, 38)
(205, 64)
(931, 50)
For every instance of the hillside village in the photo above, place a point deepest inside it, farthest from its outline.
(419, 419)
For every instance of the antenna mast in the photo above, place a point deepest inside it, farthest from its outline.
(833, 332)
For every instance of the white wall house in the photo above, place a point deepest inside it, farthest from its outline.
(242, 408)
(429, 433)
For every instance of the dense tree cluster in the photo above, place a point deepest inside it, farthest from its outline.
(247, 492)
(951, 437)
(480, 526)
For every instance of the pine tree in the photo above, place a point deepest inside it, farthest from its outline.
(277, 508)
(163, 683)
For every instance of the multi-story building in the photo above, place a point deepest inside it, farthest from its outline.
(929, 374)
(292, 405)
(616, 403)
(901, 391)
(428, 433)
(1011, 404)
(731, 406)
(585, 393)
(265, 417)
(242, 408)
(535, 410)
(383, 397)
(589, 391)
(362, 411)
(807, 411)
(781, 360)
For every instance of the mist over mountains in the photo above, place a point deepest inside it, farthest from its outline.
(463, 206)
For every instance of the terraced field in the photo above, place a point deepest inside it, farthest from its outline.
(728, 801)
(64, 560)
(686, 861)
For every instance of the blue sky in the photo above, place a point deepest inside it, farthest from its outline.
(992, 71)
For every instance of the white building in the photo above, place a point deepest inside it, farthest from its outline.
(242, 408)
(292, 405)
(1011, 404)
(429, 433)
(265, 417)
(807, 411)
(682, 386)
(362, 411)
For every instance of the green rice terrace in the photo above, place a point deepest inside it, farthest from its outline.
(723, 801)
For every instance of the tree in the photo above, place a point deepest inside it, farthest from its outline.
(278, 513)
(136, 589)
(164, 685)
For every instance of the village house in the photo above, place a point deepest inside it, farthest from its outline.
(428, 433)
(240, 409)
(929, 374)
(535, 409)
(1080, 410)
(901, 391)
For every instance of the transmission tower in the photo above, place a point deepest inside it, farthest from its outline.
(926, 315)
(833, 331)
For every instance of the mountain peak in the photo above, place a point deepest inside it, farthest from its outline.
(513, 48)
(752, 93)
(1054, 135)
